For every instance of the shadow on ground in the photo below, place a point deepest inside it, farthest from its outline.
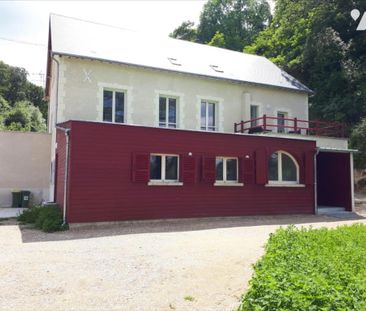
(30, 234)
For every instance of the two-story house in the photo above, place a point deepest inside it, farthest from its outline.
(145, 127)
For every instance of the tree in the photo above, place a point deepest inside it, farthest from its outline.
(15, 87)
(358, 141)
(218, 40)
(185, 31)
(24, 117)
(239, 22)
(316, 42)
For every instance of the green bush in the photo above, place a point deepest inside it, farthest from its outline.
(49, 219)
(307, 269)
(30, 215)
(45, 218)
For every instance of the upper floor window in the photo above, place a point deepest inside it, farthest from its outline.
(283, 168)
(167, 112)
(226, 169)
(208, 115)
(281, 121)
(113, 106)
(164, 167)
(254, 115)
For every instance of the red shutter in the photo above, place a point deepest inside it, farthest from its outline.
(209, 169)
(261, 166)
(188, 169)
(309, 167)
(141, 167)
(248, 169)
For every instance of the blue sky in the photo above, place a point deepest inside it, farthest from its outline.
(27, 21)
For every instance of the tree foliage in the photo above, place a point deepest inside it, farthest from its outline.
(237, 21)
(218, 40)
(185, 31)
(15, 87)
(358, 141)
(316, 42)
(22, 107)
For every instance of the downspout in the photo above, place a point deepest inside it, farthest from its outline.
(66, 175)
(315, 182)
(57, 85)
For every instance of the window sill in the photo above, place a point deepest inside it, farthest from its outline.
(285, 185)
(228, 184)
(164, 183)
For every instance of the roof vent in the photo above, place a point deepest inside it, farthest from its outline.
(174, 61)
(216, 68)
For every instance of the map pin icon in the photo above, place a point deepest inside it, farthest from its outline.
(355, 14)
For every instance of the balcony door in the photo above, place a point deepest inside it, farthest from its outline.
(281, 121)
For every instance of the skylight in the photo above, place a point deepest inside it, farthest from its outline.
(174, 61)
(216, 68)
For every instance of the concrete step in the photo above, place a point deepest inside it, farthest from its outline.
(330, 209)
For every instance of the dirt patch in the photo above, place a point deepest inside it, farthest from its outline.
(136, 266)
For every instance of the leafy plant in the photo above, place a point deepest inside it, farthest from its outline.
(45, 218)
(307, 269)
(30, 215)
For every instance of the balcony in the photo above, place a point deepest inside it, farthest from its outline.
(268, 124)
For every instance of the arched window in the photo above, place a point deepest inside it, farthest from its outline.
(283, 168)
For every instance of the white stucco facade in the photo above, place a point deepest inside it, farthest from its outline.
(81, 83)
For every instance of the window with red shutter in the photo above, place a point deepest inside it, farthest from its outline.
(209, 169)
(248, 169)
(309, 167)
(261, 166)
(188, 169)
(140, 167)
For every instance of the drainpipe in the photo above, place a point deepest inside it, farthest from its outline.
(315, 182)
(57, 84)
(67, 137)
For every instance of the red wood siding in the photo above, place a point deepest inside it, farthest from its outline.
(60, 169)
(334, 180)
(108, 174)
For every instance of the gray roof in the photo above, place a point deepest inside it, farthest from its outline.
(74, 37)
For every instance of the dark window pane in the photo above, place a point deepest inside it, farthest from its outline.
(120, 107)
(172, 112)
(155, 167)
(231, 169)
(281, 122)
(288, 169)
(211, 115)
(273, 166)
(107, 105)
(219, 169)
(171, 168)
(203, 115)
(162, 111)
(253, 114)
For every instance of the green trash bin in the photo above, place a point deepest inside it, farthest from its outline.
(25, 198)
(17, 199)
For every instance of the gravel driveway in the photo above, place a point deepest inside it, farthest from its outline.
(200, 264)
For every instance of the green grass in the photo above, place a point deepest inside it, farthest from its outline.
(189, 298)
(308, 269)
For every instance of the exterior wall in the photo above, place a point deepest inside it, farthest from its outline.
(101, 186)
(334, 185)
(24, 165)
(82, 82)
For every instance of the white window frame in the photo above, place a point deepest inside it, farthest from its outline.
(163, 180)
(114, 91)
(207, 101)
(224, 181)
(279, 170)
(167, 123)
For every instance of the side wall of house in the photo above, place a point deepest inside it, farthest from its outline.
(24, 165)
(102, 186)
(82, 83)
